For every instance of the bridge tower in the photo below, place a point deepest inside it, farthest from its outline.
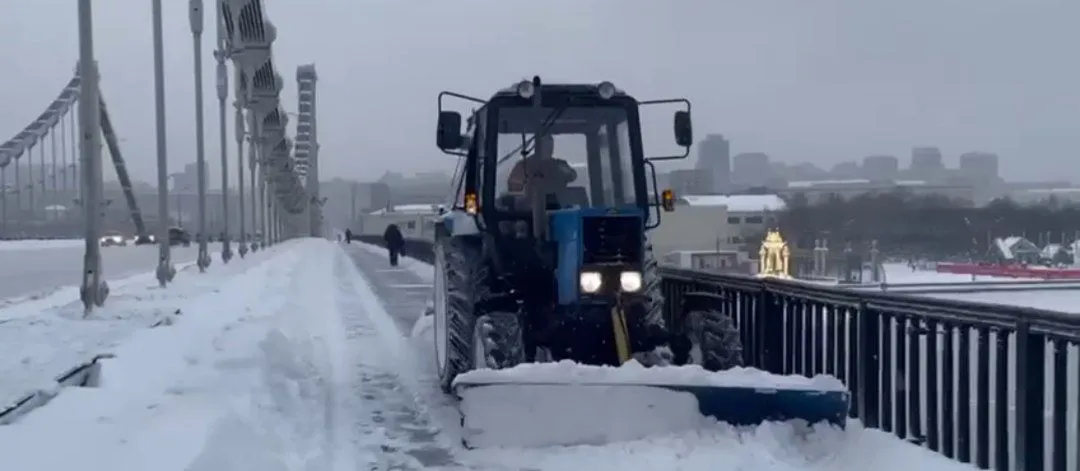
(307, 146)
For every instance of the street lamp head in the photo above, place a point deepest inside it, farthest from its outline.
(195, 15)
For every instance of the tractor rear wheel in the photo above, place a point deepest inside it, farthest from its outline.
(497, 341)
(713, 339)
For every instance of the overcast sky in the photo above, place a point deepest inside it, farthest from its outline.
(816, 80)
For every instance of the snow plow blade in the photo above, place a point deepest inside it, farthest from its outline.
(517, 411)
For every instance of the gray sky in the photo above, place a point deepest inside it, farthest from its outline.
(816, 80)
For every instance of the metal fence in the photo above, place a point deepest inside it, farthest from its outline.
(980, 383)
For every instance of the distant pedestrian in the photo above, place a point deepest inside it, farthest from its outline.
(348, 236)
(395, 242)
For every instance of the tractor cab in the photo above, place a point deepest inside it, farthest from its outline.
(562, 167)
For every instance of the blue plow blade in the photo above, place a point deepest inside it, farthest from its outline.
(621, 411)
(752, 406)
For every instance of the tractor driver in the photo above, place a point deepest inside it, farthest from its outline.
(540, 170)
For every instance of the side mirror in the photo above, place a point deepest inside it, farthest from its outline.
(684, 130)
(667, 200)
(448, 135)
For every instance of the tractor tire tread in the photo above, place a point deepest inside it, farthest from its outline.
(467, 285)
(502, 336)
(718, 338)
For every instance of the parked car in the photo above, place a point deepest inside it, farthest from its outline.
(113, 239)
(178, 236)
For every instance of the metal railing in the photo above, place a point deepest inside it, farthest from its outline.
(979, 383)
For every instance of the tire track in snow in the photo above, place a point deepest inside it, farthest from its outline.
(389, 421)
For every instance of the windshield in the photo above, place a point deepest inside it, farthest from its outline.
(584, 151)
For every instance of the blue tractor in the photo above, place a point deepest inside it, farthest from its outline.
(544, 255)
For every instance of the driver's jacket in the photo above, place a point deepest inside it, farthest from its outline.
(545, 172)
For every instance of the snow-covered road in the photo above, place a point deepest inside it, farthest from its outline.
(44, 266)
(307, 360)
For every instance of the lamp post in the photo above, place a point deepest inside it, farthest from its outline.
(93, 290)
(222, 94)
(242, 240)
(196, 15)
(165, 269)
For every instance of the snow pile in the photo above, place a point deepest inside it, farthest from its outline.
(598, 404)
(768, 447)
(41, 338)
(424, 329)
(181, 394)
(632, 372)
(555, 414)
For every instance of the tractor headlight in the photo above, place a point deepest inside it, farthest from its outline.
(526, 89)
(630, 281)
(590, 281)
(606, 90)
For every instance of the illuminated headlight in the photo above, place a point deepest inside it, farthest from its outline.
(630, 281)
(525, 89)
(590, 281)
(606, 90)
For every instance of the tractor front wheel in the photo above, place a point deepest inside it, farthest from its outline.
(713, 339)
(498, 341)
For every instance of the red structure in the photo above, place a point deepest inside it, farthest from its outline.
(1010, 271)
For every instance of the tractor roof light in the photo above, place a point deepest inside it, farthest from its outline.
(526, 89)
(606, 90)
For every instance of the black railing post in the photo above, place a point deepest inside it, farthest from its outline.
(1030, 384)
(982, 398)
(772, 317)
(1060, 407)
(869, 362)
(1002, 443)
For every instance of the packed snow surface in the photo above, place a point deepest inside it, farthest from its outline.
(633, 372)
(574, 414)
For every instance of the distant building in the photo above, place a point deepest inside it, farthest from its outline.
(187, 180)
(816, 191)
(979, 165)
(686, 182)
(880, 167)
(751, 169)
(926, 164)
(846, 171)
(747, 215)
(981, 170)
(714, 158)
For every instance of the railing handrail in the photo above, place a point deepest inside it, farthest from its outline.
(976, 313)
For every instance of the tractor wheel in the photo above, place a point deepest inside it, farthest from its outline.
(461, 278)
(714, 340)
(497, 341)
(650, 278)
